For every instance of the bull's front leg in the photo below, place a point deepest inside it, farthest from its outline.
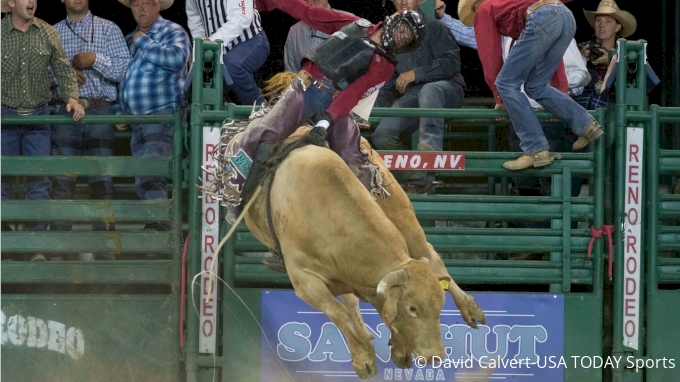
(469, 310)
(311, 288)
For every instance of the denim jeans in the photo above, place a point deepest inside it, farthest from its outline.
(241, 62)
(532, 61)
(85, 140)
(152, 141)
(317, 99)
(32, 140)
(394, 133)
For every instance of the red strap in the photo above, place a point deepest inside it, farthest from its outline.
(594, 234)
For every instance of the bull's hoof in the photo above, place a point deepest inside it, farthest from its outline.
(367, 370)
(471, 312)
(402, 361)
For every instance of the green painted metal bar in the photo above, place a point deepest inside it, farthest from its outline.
(86, 166)
(88, 119)
(256, 275)
(566, 230)
(114, 242)
(89, 210)
(87, 272)
(194, 217)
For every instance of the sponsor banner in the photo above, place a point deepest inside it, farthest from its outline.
(522, 341)
(435, 161)
(632, 237)
(209, 239)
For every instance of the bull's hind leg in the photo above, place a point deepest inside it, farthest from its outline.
(311, 288)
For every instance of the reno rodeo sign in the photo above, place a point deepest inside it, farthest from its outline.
(523, 341)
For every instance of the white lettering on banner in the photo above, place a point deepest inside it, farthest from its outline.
(632, 237)
(423, 161)
(209, 238)
(33, 332)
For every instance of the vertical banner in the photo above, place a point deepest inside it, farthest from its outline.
(209, 240)
(632, 237)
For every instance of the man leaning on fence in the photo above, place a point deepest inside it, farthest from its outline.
(543, 30)
(97, 51)
(29, 45)
(153, 86)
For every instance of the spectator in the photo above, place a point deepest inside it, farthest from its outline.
(246, 47)
(556, 134)
(98, 53)
(301, 39)
(29, 45)
(357, 76)
(533, 60)
(610, 23)
(427, 77)
(153, 86)
(464, 35)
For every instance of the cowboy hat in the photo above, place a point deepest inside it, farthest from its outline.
(5, 7)
(467, 9)
(609, 8)
(165, 4)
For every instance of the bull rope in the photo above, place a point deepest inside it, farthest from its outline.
(226, 237)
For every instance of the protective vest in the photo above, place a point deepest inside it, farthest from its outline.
(347, 54)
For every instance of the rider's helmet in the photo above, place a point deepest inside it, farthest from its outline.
(403, 31)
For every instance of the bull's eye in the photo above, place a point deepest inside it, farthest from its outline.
(412, 309)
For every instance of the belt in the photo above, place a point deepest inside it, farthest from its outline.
(90, 103)
(26, 110)
(539, 4)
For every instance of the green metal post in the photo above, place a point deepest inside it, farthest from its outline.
(194, 218)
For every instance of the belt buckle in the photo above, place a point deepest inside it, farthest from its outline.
(320, 84)
(24, 111)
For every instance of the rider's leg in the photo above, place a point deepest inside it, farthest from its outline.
(345, 139)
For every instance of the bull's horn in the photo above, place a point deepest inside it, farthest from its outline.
(392, 279)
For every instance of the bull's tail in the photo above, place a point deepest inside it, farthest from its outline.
(278, 84)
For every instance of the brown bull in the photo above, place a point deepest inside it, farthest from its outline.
(336, 241)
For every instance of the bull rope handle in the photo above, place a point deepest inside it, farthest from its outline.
(226, 237)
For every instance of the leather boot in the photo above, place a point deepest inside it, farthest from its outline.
(538, 159)
(592, 132)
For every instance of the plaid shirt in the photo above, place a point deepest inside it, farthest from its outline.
(463, 34)
(25, 56)
(156, 75)
(94, 34)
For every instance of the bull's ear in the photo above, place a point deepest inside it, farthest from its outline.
(425, 260)
(444, 280)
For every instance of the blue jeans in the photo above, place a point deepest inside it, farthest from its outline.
(317, 99)
(152, 141)
(241, 62)
(532, 61)
(394, 133)
(32, 140)
(85, 140)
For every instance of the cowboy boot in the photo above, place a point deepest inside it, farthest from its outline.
(538, 159)
(592, 132)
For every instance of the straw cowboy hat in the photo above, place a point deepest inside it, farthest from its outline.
(5, 7)
(165, 4)
(467, 9)
(609, 8)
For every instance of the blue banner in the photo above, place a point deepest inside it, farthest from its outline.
(522, 341)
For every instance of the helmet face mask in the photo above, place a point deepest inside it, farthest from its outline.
(403, 31)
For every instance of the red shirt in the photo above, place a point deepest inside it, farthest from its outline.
(329, 21)
(496, 18)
